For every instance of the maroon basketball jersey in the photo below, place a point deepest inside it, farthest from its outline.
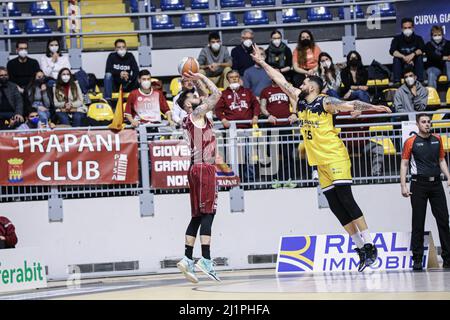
(201, 140)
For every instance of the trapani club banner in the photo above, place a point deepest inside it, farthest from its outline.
(171, 160)
(68, 158)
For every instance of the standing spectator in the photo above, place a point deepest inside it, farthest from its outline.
(425, 153)
(241, 54)
(22, 69)
(68, 99)
(305, 58)
(121, 69)
(11, 101)
(255, 78)
(279, 55)
(145, 104)
(354, 77)
(215, 61)
(407, 49)
(8, 237)
(412, 95)
(437, 51)
(330, 74)
(39, 96)
(53, 61)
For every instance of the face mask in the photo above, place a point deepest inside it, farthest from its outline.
(34, 121)
(276, 42)
(234, 86)
(3, 80)
(40, 81)
(54, 49)
(305, 42)
(410, 81)
(326, 64)
(353, 63)
(248, 43)
(215, 46)
(23, 53)
(122, 52)
(146, 84)
(437, 39)
(408, 32)
(65, 78)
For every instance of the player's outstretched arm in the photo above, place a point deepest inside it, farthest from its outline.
(209, 103)
(276, 76)
(201, 88)
(334, 105)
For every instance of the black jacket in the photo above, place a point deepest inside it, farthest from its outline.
(115, 64)
(347, 80)
(406, 45)
(434, 59)
(13, 96)
(241, 59)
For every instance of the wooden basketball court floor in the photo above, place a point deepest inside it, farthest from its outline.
(262, 284)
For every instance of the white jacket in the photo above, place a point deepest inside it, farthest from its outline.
(50, 68)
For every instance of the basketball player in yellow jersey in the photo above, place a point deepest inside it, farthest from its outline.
(326, 150)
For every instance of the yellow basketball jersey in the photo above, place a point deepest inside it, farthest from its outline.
(322, 143)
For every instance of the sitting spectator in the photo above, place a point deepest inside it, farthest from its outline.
(53, 61)
(279, 55)
(8, 237)
(22, 69)
(215, 61)
(145, 104)
(121, 69)
(354, 78)
(241, 54)
(32, 122)
(11, 101)
(305, 58)
(68, 100)
(437, 51)
(256, 78)
(330, 74)
(39, 96)
(412, 95)
(407, 49)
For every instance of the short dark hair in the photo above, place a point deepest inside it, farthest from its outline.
(407, 19)
(213, 35)
(318, 80)
(118, 41)
(408, 69)
(21, 41)
(420, 115)
(275, 32)
(183, 96)
(144, 72)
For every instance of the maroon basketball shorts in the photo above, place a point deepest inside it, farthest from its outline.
(202, 189)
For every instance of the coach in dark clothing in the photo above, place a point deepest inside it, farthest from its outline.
(11, 101)
(407, 49)
(241, 54)
(22, 69)
(427, 163)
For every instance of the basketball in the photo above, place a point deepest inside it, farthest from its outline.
(188, 64)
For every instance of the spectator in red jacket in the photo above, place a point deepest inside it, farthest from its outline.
(237, 103)
(8, 238)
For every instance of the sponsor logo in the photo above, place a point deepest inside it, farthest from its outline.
(15, 170)
(297, 254)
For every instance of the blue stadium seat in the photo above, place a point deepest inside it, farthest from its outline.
(290, 15)
(34, 26)
(359, 12)
(232, 3)
(256, 3)
(292, 1)
(162, 21)
(386, 9)
(42, 8)
(135, 7)
(228, 19)
(256, 17)
(13, 10)
(199, 4)
(319, 14)
(12, 27)
(192, 20)
(167, 5)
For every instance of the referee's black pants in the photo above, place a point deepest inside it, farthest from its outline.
(422, 191)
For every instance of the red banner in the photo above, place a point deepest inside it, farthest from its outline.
(68, 157)
(171, 160)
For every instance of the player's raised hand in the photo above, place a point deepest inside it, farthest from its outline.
(256, 55)
(192, 76)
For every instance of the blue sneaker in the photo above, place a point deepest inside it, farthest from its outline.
(186, 266)
(207, 267)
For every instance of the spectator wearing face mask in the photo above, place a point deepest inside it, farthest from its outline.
(437, 51)
(40, 97)
(354, 78)
(22, 69)
(256, 78)
(121, 69)
(305, 58)
(412, 95)
(241, 54)
(68, 100)
(330, 74)
(53, 60)
(32, 122)
(407, 49)
(279, 55)
(11, 101)
(215, 61)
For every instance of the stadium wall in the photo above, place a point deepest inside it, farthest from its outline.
(107, 230)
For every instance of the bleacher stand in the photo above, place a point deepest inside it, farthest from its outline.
(12, 28)
(319, 14)
(292, 1)
(355, 9)
(386, 10)
(199, 4)
(256, 17)
(168, 5)
(42, 8)
(232, 3)
(13, 10)
(290, 15)
(228, 19)
(37, 26)
(162, 21)
(259, 3)
(192, 20)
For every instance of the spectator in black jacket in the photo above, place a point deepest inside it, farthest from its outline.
(40, 97)
(354, 78)
(11, 101)
(22, 69)
(437, 51)
(241, 54)
(279, 55)
(121, 69)
(407, 49)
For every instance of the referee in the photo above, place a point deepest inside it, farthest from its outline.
(427, 162)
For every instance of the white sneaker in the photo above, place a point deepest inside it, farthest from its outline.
(207, 267)
(186, 266)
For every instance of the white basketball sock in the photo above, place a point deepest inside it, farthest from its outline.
(357, 240)
(366, 236)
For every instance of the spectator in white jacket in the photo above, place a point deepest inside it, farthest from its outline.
(53, 60)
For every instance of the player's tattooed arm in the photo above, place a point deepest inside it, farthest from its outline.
(201, 88)
(356, 107)
(210, 102)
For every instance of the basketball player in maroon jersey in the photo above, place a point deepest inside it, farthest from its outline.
(200, 136)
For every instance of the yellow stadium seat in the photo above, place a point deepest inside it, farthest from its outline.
(371, 83)
(433, 97)
(448, 96)
(115, 95)
(389, 95)
(95, 96)
(386, 143)
(443, 78)
(440, 116)
(381, 128)
(175, 86)
(445, 142)
(383, 82)
(100, 112)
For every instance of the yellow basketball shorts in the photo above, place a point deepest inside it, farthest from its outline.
(336, 173)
